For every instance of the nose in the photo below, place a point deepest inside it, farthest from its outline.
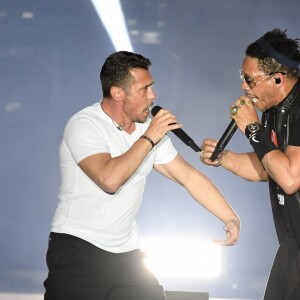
(151, 93)
(244, 86)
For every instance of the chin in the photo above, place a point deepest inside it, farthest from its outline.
(262, 109)
(258, 105)
(140, 120)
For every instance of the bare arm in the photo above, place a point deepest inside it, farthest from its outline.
(110, 173)
(205, 193)
(245, 165)
(284, 168)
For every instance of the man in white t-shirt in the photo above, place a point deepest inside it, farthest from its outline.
(107, 151)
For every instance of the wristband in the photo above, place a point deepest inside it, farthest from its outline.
(148, 139)
(261, 144)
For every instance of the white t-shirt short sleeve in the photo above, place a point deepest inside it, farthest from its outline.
(84, 209)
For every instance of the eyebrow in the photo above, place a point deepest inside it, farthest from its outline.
(146, 86)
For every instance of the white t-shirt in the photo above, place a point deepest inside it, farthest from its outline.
(106, 220)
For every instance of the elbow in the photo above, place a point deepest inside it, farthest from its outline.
(109, 185)
(290, 190)
(290, 187)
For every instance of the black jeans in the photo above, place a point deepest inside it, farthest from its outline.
(284, 279)
(79, 270)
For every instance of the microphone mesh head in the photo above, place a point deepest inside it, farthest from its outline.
(155, 110)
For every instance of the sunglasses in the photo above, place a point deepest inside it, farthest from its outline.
(251, 80)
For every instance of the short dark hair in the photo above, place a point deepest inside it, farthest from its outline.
(278, 40)
(116, 70)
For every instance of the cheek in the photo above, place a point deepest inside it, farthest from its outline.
(265, 103)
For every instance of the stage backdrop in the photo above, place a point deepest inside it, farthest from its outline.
(51, 52)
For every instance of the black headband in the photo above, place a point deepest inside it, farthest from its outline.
(278, 56)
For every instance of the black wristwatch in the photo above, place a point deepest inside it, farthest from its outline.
(252, 129)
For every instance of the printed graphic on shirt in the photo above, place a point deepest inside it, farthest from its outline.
(281, 199)
(274, 138)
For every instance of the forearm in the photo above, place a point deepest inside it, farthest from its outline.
(206, 194)
(127, 164)
(245, 165)
(110, 173)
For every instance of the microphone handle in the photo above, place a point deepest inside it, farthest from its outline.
(186, 139)
(179, 132)
(227, 135)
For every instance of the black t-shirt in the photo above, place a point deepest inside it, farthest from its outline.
(294, 140)
(282, 203)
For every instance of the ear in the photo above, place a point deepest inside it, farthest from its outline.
(117, 93)
(279, 78)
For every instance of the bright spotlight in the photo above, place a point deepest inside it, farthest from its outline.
(183, 258)
(111, 14)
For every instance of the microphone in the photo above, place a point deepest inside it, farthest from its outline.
(227, 135)
(179, 132)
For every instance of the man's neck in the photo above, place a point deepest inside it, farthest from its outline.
(114, 109)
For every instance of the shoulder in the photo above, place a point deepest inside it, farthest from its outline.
(88, 115)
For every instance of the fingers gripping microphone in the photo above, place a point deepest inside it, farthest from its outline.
(179, 132)
(225, 138)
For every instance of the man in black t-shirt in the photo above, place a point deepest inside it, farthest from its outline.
(270, 79)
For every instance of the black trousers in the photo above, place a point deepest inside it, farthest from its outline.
(284, 279)
(79, 270)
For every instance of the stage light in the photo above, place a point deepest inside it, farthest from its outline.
(182, 258)
(27, 14)
(111, 15)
